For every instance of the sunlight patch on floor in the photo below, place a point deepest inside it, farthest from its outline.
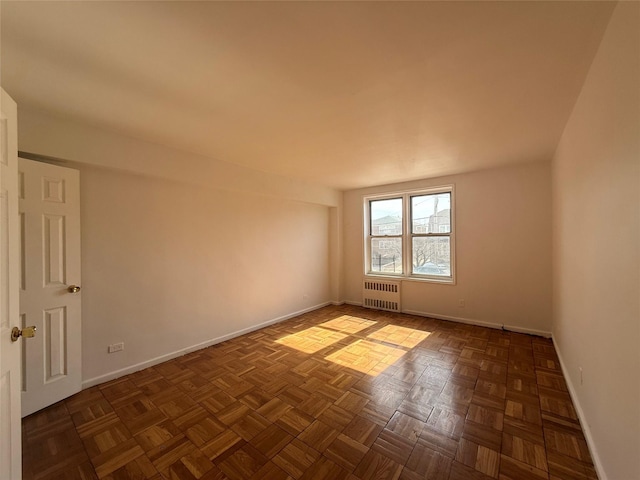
(367, 357)
(401, 336)
(311, 340)
(372, 355)
(348, 324)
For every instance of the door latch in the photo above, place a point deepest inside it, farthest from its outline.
(27, 332)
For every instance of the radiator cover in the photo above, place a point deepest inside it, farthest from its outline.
(381, 295)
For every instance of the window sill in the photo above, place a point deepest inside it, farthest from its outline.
(407, 278)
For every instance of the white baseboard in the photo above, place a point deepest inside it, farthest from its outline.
(470, 321)
(481, 323)
(183, 351)
(583, 421)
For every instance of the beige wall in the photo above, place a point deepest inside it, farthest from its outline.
(596, 206)
(503, 249)
(167, 265)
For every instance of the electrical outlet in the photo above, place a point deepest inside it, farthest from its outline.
(116, 347)
(461, 303)
(305, 296)
(580, 375)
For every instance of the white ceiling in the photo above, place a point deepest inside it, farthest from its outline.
(342, 94)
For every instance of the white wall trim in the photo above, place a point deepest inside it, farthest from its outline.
(471, 321)
(481, 323)
(581, 416)
(183, 351)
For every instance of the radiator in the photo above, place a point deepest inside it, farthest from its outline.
(382, 295)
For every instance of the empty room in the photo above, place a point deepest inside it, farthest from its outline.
(320, 240)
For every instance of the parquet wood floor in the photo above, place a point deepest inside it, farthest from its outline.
(338, 393)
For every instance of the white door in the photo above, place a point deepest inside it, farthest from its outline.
(49, 288)
(10, 440)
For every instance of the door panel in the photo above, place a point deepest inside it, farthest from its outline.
(50, 206)
(55, 326)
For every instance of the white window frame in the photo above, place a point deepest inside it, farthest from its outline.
(407, 236)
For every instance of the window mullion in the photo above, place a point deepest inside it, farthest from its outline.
(406, 247)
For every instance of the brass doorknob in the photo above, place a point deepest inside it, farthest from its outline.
(73, 288)
(27, 332)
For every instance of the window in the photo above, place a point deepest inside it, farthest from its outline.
(411, 234)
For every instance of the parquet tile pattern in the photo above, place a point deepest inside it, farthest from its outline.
(338, 393)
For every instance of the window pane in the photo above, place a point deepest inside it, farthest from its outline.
(386, 255)
(431, 213)
(386, 217)
(432, 256)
